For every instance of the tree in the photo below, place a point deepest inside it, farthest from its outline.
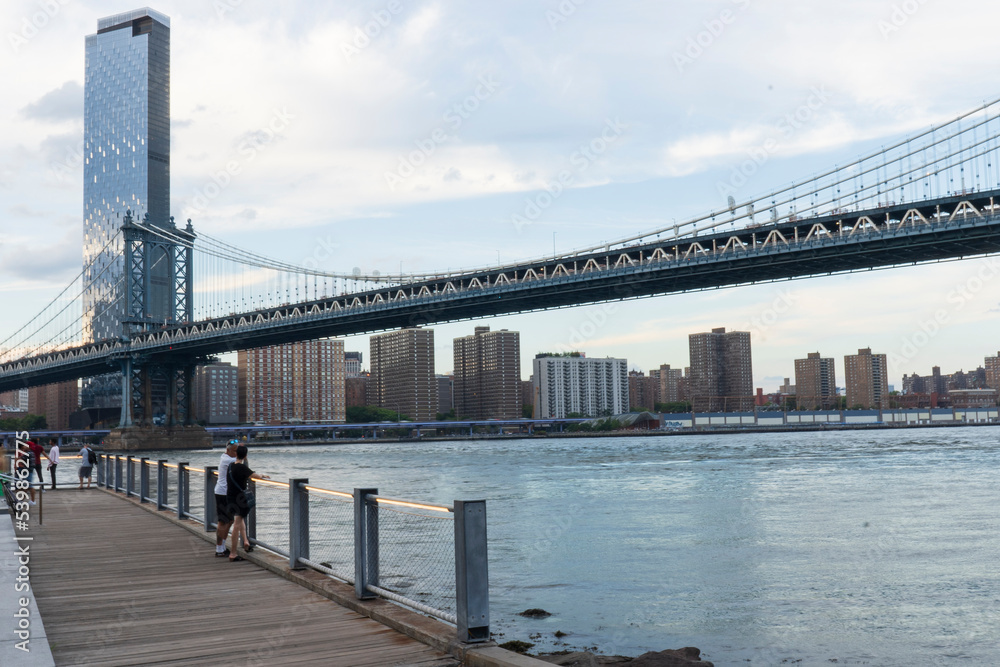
(26, 423)
(673, 407)
(528, 411)
(446, 416)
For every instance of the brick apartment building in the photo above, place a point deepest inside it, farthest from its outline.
(721, 378)
(815, 382)
(297, 381)
(487, 380)
(867, 379)
(402, 373)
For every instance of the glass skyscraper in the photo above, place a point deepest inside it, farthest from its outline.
(126, 166)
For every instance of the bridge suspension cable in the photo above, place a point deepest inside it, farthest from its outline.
(64, 313)
(864, 196)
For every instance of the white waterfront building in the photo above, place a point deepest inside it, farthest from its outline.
(576, 384)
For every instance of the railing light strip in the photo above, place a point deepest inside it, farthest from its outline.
(339, 494)
(404, 503)
(267, 482)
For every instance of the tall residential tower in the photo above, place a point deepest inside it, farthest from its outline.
(126, 166)
(815, 382)
(721, 371)
(487, 382)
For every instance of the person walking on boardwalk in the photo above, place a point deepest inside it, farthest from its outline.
(35, 454)
(240, 475)
(86, 465)
(53, 460)
(224, 515)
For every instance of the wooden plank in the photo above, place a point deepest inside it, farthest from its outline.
(116, 585)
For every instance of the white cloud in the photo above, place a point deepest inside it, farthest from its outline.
(324, 174)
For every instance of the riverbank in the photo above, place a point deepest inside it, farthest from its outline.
(701, 430)
(653, 433)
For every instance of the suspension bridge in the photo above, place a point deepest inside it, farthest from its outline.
(931, 197)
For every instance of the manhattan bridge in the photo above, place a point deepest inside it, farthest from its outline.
(931, 197)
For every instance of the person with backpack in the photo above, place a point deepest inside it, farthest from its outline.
(241, 501)
(87, 460)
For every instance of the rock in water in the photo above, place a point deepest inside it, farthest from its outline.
(688, 656)
(584, 659)
(572, 659)
(535, 613)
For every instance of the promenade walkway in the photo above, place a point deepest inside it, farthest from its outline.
(117, 585)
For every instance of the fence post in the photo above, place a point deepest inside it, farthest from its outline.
(365, 543)
(102, 478)
(129, 476)
(161, 484)
(118, 473)
(472, 581)
(182, 491)
(210, 518)
(298, 523)
(143, 480)
(251, 519)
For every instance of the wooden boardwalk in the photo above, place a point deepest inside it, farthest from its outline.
(117, 585)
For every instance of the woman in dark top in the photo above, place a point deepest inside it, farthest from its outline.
(240, 475)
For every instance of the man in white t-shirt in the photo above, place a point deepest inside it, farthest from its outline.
(223, 513)
(53, 460)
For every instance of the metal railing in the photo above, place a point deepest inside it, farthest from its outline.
(431, 558)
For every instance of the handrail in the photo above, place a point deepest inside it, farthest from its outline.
(316, 489)
(382, 500)
(388, 540)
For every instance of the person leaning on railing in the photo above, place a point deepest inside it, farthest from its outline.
(239, 475)
(224, 515)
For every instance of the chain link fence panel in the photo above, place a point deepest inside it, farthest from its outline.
(271, 514)
(331, 533)
(417, 555)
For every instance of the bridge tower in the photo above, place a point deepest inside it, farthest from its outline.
(157, 292)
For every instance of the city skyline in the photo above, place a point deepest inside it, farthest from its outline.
(663, 160)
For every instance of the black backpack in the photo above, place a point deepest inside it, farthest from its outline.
(91, 457)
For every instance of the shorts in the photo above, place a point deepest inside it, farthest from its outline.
(223, 511)
(85, 471)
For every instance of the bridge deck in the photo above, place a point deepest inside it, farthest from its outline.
(117, 585)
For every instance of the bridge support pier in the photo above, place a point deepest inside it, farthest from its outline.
(138, 438)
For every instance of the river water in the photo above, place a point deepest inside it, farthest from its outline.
(840, 547)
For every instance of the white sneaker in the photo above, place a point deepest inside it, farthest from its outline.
(31, 502)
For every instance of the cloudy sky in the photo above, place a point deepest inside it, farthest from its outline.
(411, 133)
